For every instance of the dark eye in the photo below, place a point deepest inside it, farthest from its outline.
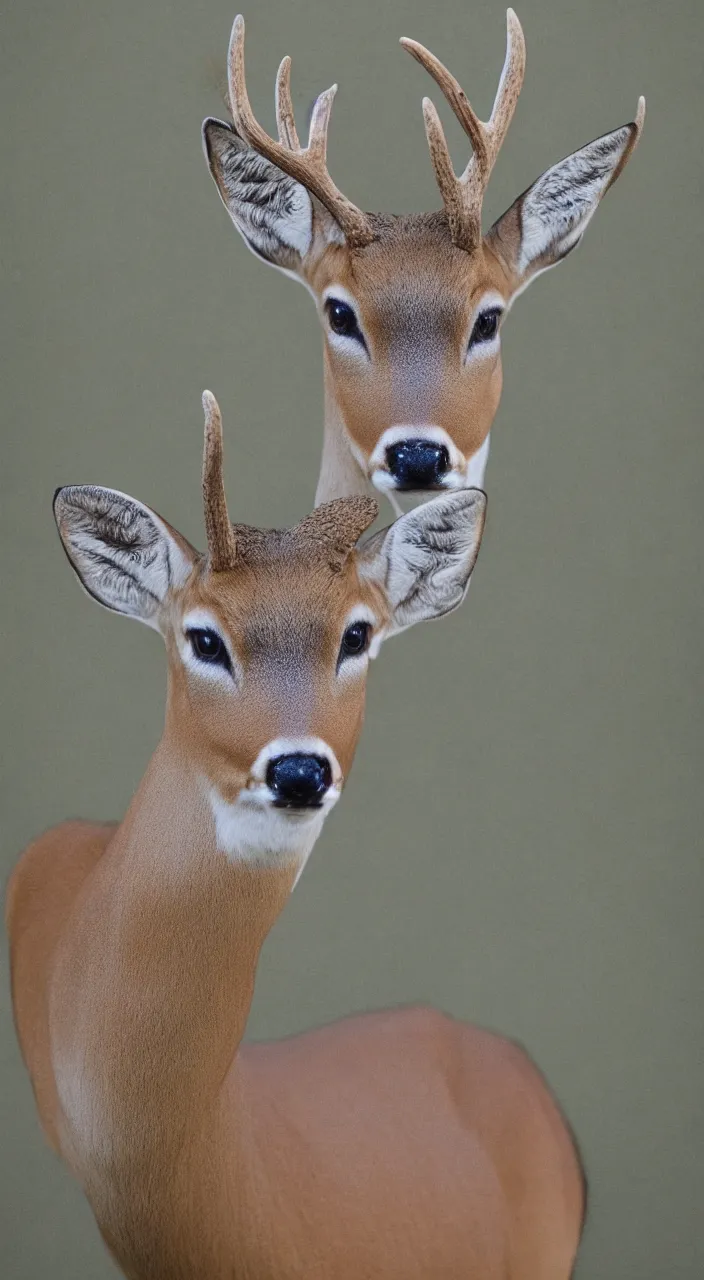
(208, 647)
(355, 640)
(342, 320)
(486, 326)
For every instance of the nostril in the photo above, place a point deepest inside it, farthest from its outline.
(417, 464)
(299, 781)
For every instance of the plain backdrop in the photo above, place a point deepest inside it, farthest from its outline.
(520, 842)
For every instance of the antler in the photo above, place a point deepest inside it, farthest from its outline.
(222, 548)
(463, 196)
(306, 164)
(339, 523)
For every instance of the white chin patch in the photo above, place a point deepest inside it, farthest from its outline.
(251, 829)
(476, 467)
(383, 480)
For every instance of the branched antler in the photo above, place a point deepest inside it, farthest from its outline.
(462, 196)
(306, 165)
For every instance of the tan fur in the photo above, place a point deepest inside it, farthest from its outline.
(416, 282)
(282, 608)
(394, 1146)
(397, 1145)
(417, 374)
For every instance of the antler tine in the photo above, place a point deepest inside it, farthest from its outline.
(510, 84)
(453, 92)
(306, 165)
(461, 230)
(462, 196)
(288, 136)
(222, 547)
(319, 123)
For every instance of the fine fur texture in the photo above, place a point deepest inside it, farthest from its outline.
(428, 556)
(398, 1145)
(275, 215)
(556, 209)
(121, 551)
(417, 286)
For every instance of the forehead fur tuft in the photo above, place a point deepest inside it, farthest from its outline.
(329, 533)
(412, 229)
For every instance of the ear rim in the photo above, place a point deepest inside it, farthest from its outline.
(366, 550)
(172, 540)
(293, 268)
(521, 277)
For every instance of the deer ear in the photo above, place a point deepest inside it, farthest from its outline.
(550, 218)
(272, 212)
(423, 561)
(124, 555)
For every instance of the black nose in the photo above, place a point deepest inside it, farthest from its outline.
(417, 464)
(298, 781)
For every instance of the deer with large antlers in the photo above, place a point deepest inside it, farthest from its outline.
(411, 305)
(396, 1145)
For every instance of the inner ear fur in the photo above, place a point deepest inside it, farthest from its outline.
(424, 560)
(123, 554)
(272, 212)
(548, 220)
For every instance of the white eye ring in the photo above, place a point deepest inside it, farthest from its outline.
(486, 327)
(342, 324)
(485, 334)
(356, 639)
(224, 667)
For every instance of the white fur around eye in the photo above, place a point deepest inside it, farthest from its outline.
(199, 620)
(355, 664)
(489, 349)
(349, 347)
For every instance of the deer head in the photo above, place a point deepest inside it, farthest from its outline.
(269, 634)
(411, 306)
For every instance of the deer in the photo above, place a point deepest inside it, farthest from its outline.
(393, 1145)
(411, 306)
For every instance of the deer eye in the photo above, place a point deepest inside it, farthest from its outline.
(342, 320)
(208, 647)
(355, 640)
(486, 326)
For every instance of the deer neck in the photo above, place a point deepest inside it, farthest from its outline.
(154, 985)
(340, 474)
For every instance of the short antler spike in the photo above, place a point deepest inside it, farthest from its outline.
(463, 196)
(306, 165)
(222, 548)
(339, 524)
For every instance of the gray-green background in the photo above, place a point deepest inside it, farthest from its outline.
(520, 842)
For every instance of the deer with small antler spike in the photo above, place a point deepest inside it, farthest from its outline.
(394, 1146)
(411, 306)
